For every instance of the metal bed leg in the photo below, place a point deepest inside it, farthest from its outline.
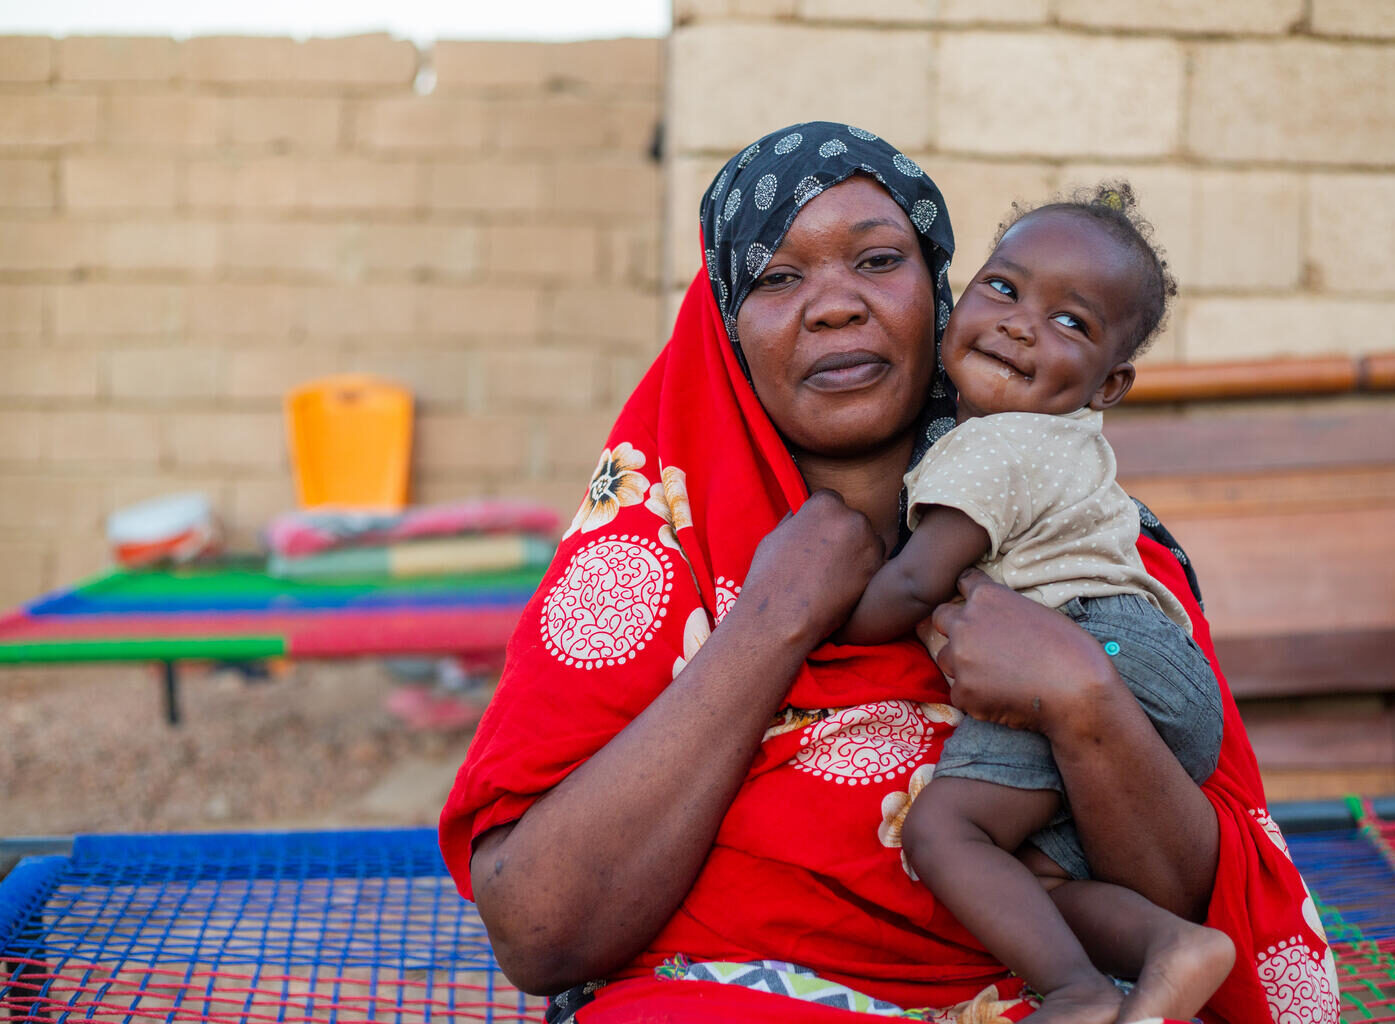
(170, 676)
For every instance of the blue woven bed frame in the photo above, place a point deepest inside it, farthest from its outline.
(266, 928)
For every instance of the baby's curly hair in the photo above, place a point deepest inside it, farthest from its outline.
(1114, 205)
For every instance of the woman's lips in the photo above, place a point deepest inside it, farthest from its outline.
(844, 371)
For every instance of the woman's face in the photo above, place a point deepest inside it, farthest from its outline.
(839, 330)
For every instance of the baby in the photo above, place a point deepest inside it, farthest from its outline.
(1038, 346)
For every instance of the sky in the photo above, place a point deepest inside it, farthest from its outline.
(421, 20)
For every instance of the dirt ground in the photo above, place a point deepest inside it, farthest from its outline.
(87, 749)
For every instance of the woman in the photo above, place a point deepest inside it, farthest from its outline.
(650, 798)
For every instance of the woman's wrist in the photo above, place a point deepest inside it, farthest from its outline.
(1086, 713)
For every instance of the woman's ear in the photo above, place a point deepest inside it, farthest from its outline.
(1115, 386)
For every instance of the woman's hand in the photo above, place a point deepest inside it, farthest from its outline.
(808, 573)
(1143, 822)
(1016, 662)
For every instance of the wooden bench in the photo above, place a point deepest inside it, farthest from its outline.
(1286, 507)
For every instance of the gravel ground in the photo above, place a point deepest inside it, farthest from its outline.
(87, 749)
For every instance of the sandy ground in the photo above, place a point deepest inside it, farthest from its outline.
(87, 749)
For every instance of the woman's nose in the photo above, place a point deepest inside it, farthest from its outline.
(835, 304)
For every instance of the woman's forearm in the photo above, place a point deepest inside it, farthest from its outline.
(594, 869)
(1142, 821)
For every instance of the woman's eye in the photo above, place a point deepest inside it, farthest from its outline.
(775, 279)
(999, 285)
(882, 261)
(1071, 321)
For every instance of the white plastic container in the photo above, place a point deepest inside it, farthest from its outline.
(178, 528)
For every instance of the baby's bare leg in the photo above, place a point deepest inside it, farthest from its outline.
(1178, 964)
(958, 835)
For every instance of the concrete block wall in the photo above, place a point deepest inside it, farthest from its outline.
(188, 229)
(1260, 135)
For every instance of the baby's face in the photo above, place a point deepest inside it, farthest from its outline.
(1043, 325)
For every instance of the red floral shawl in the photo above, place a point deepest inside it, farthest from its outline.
(805, 867)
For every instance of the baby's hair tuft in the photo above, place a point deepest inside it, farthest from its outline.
(1114, 205)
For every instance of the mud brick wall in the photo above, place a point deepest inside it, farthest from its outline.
(1260, 135)
(188, 229)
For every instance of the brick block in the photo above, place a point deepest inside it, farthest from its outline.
(25, 563)
(1354, 18)
(163, 120)
(111, 438)
(50, 245)
(489, 64)
(27, 185)
(1351, 233)
(542, 378)
(1255, 328)
(688, 12)
(26, 58)
(179, 374)
(1249, 230)
(572, 443)
(541, 251)
(229, 440)
(48, 120)
(21, 309)
(630, 255)
(1176, 17)
(135, 486)
(487, 186)
(373, 59)
(54, 502)
(419, 250)
(893, 12)
(881, 81)
(284, 122)
(253, 312)
(237, 183)
(292, 248)
(1065, 113)
(21, 435)
(233, 60)
(1294, 101)
(635, 63)
(608, 315)
(115, 183)
(117, 59)
(611, 186)
(256, 501)
(562, 496)
(177, 246)
(421, 123)
(28, 374)
(349, 310)
(97, 309)
(1167, 198)
(480, 311)
(357, 184)
(496, 444)
(620, 375)
(566, 124)
(440, 378)
(975, 12)
(267, 374)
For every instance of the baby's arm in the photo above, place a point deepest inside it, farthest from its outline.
(923, 575)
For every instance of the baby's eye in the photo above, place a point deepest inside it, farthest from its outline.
(999, 285)
(1071, 321)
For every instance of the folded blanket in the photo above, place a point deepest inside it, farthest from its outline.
(448, 556)
(306, 533)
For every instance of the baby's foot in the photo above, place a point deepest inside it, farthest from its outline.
(1087, 1002)
(1183, 969)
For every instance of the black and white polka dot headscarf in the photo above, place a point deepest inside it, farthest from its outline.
(748, 209)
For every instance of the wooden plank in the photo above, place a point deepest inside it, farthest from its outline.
(1300, 573)
(1168, 444)
(1356, 661)
(1313, 733)
(1240, 494)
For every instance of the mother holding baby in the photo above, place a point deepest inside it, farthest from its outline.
(684, 802)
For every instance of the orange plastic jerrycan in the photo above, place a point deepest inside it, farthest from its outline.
(351, 442)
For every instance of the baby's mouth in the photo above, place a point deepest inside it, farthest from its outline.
(1006, 367)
